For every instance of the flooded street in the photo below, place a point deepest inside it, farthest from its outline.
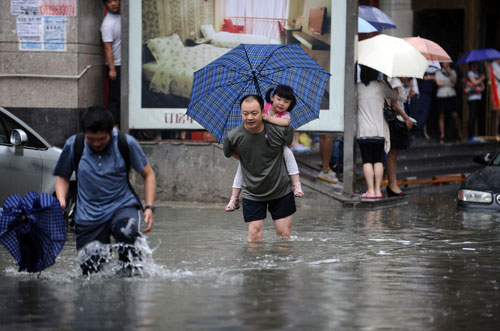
(423, 266)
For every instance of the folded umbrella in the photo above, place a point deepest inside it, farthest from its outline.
(482, 54)
(376, 17)
(254, 69)
(32, 229)
(431, 50)
(392, 56)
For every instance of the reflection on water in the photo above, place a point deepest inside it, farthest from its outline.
(422, 266)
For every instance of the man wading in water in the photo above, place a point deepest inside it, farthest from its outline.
(266, 184)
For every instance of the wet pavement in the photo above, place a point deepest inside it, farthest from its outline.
(421, 266)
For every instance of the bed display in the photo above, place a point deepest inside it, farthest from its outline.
(173, 71)
(231, 40)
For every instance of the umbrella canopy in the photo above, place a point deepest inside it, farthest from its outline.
(431, 50)
(392, 56)
(32, 229)
(482, 54)
(364, 26)
(376, 17)
(254, 69)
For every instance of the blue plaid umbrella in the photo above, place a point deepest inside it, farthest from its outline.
(254, 69)
(483, 54)
(32, 229)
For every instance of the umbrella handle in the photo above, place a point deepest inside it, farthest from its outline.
(256, 83)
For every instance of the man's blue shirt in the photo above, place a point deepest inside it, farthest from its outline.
(102, 178)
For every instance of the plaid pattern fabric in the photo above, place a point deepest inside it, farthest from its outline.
(254, 69)
(35, 241)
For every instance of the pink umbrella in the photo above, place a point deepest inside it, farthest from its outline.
(429, 49)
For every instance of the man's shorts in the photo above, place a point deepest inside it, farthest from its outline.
(279, 208)
(101, 232)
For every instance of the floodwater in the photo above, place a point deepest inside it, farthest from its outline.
(422, 266)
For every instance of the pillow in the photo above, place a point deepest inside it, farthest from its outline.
(163, 47)
(207, 31)
(228, 22)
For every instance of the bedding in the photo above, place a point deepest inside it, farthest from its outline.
(175, 65)
(231, 40)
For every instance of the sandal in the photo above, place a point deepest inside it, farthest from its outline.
(297, 189)
(233, 204)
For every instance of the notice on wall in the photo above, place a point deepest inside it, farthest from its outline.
(57, 7)
(24, 7)
(30, 32)
(37, 33)
(54, 33)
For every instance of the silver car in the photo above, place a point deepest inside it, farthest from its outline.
(27, 161)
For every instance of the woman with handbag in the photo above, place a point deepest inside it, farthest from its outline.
(474, 88)
(371, 130)
(396, 91)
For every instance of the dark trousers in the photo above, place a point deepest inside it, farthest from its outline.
(474, 113)
(114, 95)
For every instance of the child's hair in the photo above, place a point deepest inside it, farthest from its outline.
(283, 91)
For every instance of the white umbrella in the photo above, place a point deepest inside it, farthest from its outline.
(392, 56)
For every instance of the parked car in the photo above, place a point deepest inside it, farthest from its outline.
(27, 161)
(481, 189)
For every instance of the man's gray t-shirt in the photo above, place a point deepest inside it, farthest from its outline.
(265, 176)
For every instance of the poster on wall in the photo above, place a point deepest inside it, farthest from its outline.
(179, 37)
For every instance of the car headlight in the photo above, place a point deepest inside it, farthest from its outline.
(475, 196)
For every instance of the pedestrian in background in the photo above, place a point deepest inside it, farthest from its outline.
(372, 128)
(495, 98)
(474, 87)
(397, 92)
(446, 95)
(111, 37)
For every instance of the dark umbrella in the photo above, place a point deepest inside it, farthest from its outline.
(482, 54)
(254, 69)
(32, 229)
(376, 17)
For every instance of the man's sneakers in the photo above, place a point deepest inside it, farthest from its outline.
(328, 177)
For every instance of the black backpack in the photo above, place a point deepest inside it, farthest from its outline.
(124, 151)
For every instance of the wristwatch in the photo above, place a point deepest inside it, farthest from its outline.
(153, 208)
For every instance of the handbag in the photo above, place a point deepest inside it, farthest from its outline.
(390, 116)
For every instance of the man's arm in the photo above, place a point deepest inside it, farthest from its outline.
(108, 55)
(289, 131)
(150, 193)
(62, 187)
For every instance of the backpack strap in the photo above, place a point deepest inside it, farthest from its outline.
(125, 152)
(78, 146)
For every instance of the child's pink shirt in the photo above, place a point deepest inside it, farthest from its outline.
(283, 114)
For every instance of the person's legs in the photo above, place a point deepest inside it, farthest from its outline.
(458, 125)
(474, 107)
(283, 226)
(282, 210)
(379, 173)
(234, 202)
(369, 173)
(91, 241)
(441, 126)
(325, 149)
(391, 170)
(255, 230)
(125, 229)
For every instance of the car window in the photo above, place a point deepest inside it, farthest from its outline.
(496, 161)
(7, 124)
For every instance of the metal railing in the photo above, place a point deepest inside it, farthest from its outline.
(48, 76)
